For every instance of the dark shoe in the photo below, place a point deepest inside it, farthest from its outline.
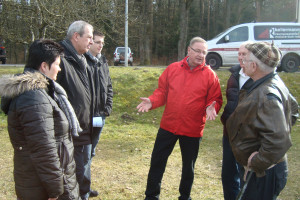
(93, 193)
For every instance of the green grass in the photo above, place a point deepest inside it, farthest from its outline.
(120, 168)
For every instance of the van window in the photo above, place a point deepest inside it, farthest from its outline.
(276, 32)
(237, 35)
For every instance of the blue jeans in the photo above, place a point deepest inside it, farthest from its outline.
(82, 156)
(96, 136)
(163, 147)
(267, 187)
(230, 172)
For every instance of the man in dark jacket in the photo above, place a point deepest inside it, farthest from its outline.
(230, 168)
(75, 78)
(259, 128)
(103, 90)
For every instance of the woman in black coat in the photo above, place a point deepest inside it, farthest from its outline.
(40, 123)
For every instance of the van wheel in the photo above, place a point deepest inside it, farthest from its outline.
(290, 63)
(214, 61)
(115, 64)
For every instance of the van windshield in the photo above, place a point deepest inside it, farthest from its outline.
(220, 34)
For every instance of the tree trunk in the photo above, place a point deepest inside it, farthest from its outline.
(202, 2)
(146, 33)
(183, 26)
(208, 17)
(230, 5)
(258, 4)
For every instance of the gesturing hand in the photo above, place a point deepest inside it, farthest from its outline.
(211, 113)
(145, 105)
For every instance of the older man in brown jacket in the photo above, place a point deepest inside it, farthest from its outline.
(259, 129)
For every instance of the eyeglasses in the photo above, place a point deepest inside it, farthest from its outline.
(244, 61)
(99, 42)
(198, 51)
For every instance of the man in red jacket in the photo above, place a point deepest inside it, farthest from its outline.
(191, 91)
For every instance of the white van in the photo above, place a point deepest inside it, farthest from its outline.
(223, 49)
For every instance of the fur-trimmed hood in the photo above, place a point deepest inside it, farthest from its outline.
(13, 86)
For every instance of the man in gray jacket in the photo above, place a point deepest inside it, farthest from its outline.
(259, 128)
(75, 78)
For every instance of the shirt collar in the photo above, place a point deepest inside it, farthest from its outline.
(242, 73)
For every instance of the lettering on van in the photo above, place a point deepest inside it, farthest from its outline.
(276, 33)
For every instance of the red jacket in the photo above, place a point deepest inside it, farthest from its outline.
(186, 93)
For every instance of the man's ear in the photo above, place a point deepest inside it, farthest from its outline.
(188, 50)
(76, 36)
(43, 67)
(255, 66)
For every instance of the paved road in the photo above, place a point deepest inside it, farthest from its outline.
(12, 65)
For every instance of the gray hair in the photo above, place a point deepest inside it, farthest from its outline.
(78, 27)
(197, 39)
(262, 66)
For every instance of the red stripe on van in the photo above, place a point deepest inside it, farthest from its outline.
(289, 49)
(237, 49)
(224, 49)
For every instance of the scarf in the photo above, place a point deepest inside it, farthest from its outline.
(66, 107)
(96, 59)
(79, 58)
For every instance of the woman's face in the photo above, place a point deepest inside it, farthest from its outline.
(54, 69)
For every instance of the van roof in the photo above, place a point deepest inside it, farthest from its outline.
(270, 23)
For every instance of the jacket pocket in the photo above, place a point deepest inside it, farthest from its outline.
(233, 134)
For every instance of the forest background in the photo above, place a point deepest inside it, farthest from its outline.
(158, 30)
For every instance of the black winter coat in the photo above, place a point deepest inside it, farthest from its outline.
(232, 94)
(39, 133)
(76, 78)
(102, 85)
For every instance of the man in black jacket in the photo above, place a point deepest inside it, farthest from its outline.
(230, 168)
(103, 89)
(76, 79)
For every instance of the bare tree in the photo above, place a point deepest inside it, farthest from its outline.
(184, 6)
(157, 28)
(258, 5)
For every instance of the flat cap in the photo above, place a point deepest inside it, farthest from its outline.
(265, 52)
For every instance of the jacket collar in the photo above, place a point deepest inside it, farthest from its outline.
(261, 81)
(235, 69)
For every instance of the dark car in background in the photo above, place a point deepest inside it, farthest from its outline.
(2, 54)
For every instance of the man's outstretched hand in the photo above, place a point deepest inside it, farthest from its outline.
(145, 105)
(211, 113)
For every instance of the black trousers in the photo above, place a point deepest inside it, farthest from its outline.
(267, 187)
(163, 147)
